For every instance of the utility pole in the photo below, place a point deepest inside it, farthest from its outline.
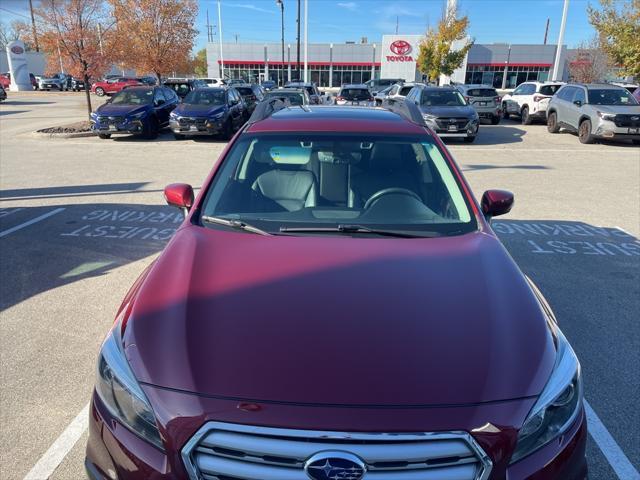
(306, 40)
(556, 63)
(220, 38)
(298, 47)
(546, 32)
(397, 23)
(281, 3)
(208, 28)
(100, 38)
(33, 27)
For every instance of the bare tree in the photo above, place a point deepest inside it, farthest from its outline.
(590, 63)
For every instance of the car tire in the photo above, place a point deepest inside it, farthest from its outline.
(552, 123)
(151, 129)
(495, 119)
(470, 139)
(525, 118)
(104, 136)
(178, 136)
(100, 91)
(584, 132)
(505, 113)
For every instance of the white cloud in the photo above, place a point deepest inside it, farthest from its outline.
(249, 6)
(349, 5)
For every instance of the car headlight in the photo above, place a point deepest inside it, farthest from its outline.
(173, 116)
(607, 116)
(429, 118)
(558, 404)
(137, 116)
(120, 392)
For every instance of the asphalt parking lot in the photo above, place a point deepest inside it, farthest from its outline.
(80, 218)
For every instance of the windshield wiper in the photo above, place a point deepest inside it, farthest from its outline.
(237, 224)
(358, 229)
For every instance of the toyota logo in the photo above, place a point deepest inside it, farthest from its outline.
(400, 47)
(335, 466)
(17, 49)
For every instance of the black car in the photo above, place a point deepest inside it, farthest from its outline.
(3, 94)
(445, 111)
(135, 110)
(311, 88)
(77, 84)
(182, 86)
(209, 111)
(251, 93)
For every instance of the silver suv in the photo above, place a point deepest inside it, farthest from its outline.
(484, 99)
(595, 111)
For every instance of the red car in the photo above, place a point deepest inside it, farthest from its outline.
(5, 80)
(113, 85)
(336, 306)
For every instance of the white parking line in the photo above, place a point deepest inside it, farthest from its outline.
(30, 222)
(60, 448)
(610, 448)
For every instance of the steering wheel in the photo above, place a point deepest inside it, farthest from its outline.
(390, 191)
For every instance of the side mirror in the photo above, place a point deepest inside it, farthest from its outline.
(496, 202)
(578, 103)
(159, 102)
(179, 195)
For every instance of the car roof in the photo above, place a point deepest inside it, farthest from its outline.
(354, 85)
(476, 85)
(287, 90)
(332, 119)
(140, 87)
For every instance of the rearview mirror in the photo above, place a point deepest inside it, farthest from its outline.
(179, 195)
(496, 202)
(578, 103)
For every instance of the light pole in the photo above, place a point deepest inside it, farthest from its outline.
(298, 47)
(556, 64)
(281, 3)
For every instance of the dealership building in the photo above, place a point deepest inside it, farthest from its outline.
(334, 64)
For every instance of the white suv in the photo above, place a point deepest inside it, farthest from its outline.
(529, 101)
(398, 93)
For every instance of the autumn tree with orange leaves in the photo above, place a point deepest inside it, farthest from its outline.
(159, 33)
(70, 33)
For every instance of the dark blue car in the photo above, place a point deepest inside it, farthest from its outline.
(209, 111)
(135, 110)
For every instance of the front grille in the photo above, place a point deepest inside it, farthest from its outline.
(199, 122)
(627, 120)
(460, 123)
(220, 451)
(108, 120)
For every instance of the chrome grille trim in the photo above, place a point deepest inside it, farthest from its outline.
(224, 451)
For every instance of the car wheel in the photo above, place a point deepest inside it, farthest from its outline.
(525, 117)
(178, 136)
(100, 91)
(495, 120)
(505, 113)
(104, 136)
(470, 139)
(151, 129)
(552, 123)
(584, 132)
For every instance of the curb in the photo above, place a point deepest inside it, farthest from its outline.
(65, 135)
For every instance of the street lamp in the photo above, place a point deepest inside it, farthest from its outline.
(281, 3)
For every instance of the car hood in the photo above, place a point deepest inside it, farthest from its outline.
(198, 110)
(618, 109)
(339, 321)
(120, 110)
(445, 111)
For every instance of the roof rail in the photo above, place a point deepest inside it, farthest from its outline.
(265, 109)
(410, 111)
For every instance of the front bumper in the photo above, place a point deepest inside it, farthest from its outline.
(45, 86)
(466, 131)
(609, 130)
(128, 127)
(114, 452)
(203, 127)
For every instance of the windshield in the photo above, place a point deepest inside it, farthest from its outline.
(275, 181)
(294, 98)
(133, 97)
(611, 96)
(440, 98)
(182, 89)
(205, 97)
(354, 93)
(481, 92)
(244, 91)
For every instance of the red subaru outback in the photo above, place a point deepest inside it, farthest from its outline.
(336, 306)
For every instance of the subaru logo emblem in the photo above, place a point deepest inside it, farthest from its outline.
(335, 466)
(635, 118)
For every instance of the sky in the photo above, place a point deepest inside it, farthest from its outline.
(491, 21)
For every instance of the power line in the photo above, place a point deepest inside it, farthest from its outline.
(15, 13)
